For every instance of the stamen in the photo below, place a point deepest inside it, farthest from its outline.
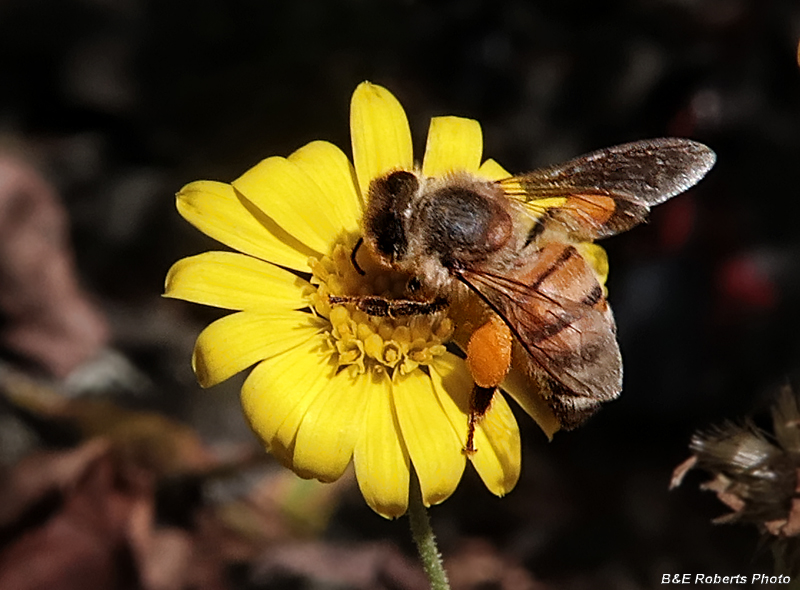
(371, 343)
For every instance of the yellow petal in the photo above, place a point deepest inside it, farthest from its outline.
(330, 427)
(380, 134)
(497, 459)
(518, 386)
(285, 193)
(381, 460)
(279, 391)
(216, 210)
(235, 342)
(431, 440)
(597, 258)
(235, 281)
(454, 143)
(330, 169)
(452, 384)
(491, 170)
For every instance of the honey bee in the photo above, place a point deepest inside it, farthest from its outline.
(514, 244)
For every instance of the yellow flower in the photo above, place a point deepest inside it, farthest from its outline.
(333, 385)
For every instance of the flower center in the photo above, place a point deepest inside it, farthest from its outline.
(373, 342)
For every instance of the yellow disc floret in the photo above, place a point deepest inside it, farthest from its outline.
(372, 342)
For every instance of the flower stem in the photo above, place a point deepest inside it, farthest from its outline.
(424, 538)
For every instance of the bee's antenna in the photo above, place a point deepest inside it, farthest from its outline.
(359, 270)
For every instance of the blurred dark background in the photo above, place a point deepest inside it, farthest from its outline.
(119, 103)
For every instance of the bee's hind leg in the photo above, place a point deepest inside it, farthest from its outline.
(488, 359)
(480, 400)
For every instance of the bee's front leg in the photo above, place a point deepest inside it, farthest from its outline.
(488, 359)
(383, 307)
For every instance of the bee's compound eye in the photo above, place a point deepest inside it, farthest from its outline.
(383, 222)
(401, 183)
(386, 229)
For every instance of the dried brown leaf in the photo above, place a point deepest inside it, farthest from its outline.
(44, 473)
(48, 317)
(477, 564)
(83, 545)
(364, 566)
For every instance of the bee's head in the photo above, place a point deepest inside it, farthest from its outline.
(434, 225)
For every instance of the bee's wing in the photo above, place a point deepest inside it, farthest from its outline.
(610, 190)
(556, 310)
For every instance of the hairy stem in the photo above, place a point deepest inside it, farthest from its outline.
(424, 538)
